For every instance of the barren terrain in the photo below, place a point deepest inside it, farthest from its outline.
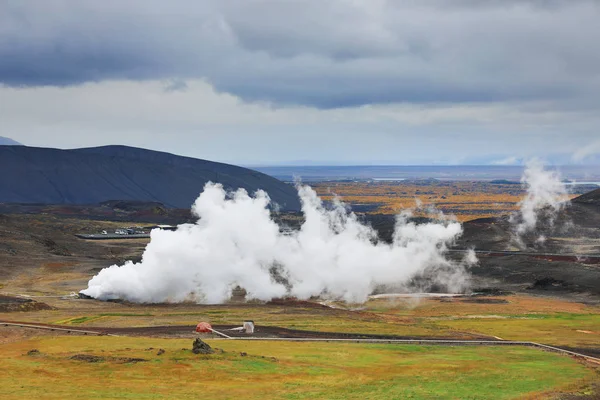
(514, 297)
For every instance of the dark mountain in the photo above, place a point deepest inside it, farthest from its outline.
(589, 198)
(4, 141)
(94, 175)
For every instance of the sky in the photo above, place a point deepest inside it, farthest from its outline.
(288, 82)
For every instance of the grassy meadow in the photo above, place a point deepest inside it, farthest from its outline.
(293, 370)
(521, 317)
(261, 370)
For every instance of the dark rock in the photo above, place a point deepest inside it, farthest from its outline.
(490, 291)
(160, 352)
(548, 283)
(201, 347)
(33, 352)
(480, 300)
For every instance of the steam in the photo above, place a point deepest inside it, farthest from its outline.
(235, 242)
(546, 196)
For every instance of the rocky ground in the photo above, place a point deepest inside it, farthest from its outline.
(39, 252)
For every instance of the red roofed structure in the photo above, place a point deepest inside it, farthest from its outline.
(204, 327)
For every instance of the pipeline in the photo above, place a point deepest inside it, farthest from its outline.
(444, 342)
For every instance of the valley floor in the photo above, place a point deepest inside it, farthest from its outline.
(292, 370)
(42, 262)
(142, 368)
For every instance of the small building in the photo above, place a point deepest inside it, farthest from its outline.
(204, 327)
(161, 227)
(249, 327)
(167, 227)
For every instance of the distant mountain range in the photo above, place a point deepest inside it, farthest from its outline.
(4, 141)
(94, 175)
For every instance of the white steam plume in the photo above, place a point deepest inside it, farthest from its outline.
(235, 242)
(546, 196)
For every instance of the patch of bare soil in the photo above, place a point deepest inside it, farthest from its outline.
(30, 241)
(89, 358)
(10, 334)
(17, 304)
(293, 302)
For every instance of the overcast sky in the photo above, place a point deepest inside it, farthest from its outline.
(306, 81)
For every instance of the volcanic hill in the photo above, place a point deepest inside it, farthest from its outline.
(94, 175)
(4, 141)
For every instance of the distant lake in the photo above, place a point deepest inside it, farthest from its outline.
(582, 183)
(580, 175)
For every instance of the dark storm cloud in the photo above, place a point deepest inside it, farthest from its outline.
(330, 54)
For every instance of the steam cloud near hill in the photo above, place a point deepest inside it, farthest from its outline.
(235, 242)
(546, 195)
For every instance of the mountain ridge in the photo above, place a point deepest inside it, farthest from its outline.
(93, 175)
(6, 141)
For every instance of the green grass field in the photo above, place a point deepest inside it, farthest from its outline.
(306, 370)
(557, 329)
(280, 370)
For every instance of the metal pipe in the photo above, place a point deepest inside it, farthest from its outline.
(219, 333)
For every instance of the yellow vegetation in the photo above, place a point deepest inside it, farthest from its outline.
(466, 200)
(133, 368)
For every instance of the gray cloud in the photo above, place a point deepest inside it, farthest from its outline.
(331, 54)
(199, 122)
